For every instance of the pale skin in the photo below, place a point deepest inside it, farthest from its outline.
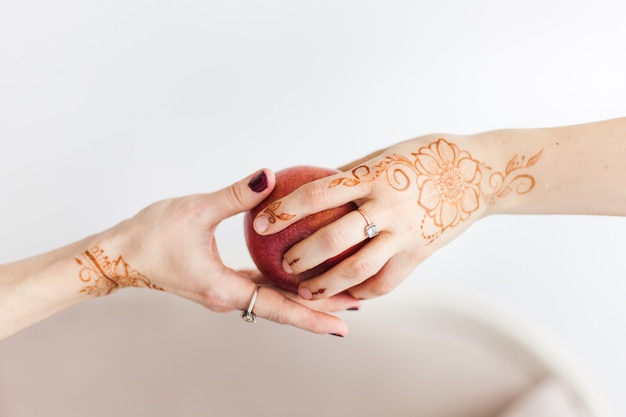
(424, 192)
(168, 246)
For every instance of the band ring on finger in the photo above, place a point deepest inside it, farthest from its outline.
(371, 230)
(248, 316)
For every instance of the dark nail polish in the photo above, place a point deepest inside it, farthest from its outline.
(353, 309)
(335, 334)
(258, 183)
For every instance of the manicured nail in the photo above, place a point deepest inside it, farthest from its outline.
(286, 267)
(260, 224)
(305, 293)
(258, 183)
(336, 334)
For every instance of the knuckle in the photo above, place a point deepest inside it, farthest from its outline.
(314, 325)
(315, 194)
(383, 287)
(182, 208)
(235, 197)
(186, 209)
(334, 238)
(276, 314)
(363, 267)
(214, 302)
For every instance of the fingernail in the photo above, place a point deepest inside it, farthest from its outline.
(260, 224)
(258, 183)
(354, 309)
(336, 334)
(286, 267)
(305, 293)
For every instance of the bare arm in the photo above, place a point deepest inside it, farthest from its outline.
(581, 170)
(423, 192)
(168, 246)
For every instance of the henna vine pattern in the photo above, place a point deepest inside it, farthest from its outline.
(105, 276)
(270, 211)
(450, 182)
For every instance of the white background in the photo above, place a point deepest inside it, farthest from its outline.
(106, 107)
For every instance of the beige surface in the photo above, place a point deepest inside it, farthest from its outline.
(547, 398)
(142, 353)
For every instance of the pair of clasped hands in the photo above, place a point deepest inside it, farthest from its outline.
(170, 245)
(420, 194)
(378, 267)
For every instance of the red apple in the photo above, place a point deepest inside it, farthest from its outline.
(267, 251)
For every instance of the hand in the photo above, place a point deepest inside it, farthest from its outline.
(420, 194)
(172, 244)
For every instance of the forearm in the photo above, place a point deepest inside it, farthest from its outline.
(574, 169)
(38, 287)
(422, 193)
(35, 288)
(579, 169)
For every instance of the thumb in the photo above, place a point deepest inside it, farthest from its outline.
(244, 194)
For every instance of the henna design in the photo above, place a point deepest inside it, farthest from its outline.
(500, 185)
(104, 276)
(450, 182)
(270, 211)
(449, 186)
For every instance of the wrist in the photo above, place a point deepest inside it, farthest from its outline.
(509, 163)
(35, 288)
(110, 261)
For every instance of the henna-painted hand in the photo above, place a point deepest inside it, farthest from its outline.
(420, 194)
(172, 243)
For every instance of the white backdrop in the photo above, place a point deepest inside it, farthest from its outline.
(107, 106)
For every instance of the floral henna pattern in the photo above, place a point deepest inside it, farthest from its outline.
(270, 212)
(104, 276)
(498, 185)
(450, 182)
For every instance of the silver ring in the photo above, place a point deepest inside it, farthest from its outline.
(248, 316)
(370, 230)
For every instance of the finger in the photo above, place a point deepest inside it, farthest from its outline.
(274, 306)
(255, 276)
(352, 271)
(395, 271)
(312, 197)
(339, 302)
(360, 161)
(328, 242)
(243, 195)
(237, 290)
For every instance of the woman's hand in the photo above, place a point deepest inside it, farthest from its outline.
(168, 246)
(419, 194)
(172, 245)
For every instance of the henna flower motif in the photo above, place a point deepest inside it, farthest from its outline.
(448, 181)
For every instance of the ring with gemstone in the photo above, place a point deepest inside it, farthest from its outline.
(370, 229)
(248, 316)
